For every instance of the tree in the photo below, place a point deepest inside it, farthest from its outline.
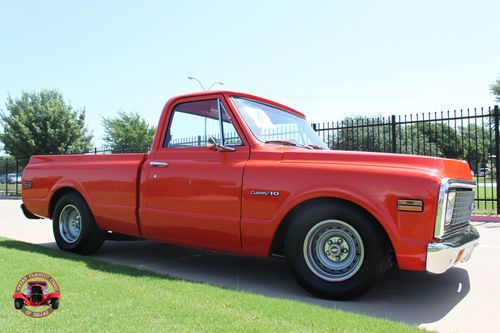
(439, 139)
(7, 164)
(478, 145)
(495, 89)
(363, 134)
(128, 130)
(42, 123)
(412, 139)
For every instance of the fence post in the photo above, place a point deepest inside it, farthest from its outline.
(393, 130)
(497, 154)
(17, 177)
(6, 178)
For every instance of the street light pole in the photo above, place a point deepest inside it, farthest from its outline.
(203, 87)
(201, 84)
(213, 84)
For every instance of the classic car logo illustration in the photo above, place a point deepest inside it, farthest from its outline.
(37, 295)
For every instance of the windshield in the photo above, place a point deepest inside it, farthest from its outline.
(276, 126)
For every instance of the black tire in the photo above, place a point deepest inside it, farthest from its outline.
(367, 264)
(18, 303)
(54, 303)
(90, 237)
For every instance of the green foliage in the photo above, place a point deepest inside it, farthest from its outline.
(441, 139)
(362, 133)
(495, 89)
(128, 130)
(42, 123)
(473, 143)
(7, 159)
(8, 164)
(478, 146)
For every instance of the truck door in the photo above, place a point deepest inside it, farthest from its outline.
(192, 194)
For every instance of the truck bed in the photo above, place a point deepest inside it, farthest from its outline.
(108, 183)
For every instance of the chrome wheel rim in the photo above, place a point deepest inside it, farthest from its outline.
(70, 224)
(333, 250)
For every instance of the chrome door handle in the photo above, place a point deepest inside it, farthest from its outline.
(157, 164)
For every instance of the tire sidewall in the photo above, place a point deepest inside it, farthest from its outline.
(374, 260)
(20, 302)
(79, 203)
(55, 303)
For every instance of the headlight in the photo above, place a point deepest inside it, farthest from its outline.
(450, 203)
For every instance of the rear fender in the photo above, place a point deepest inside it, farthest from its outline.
(70, 184)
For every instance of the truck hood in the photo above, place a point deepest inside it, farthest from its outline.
(444, 167)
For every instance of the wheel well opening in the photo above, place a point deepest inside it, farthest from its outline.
(278, 243)
(58, 195)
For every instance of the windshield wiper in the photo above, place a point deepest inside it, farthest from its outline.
(289, 143)
(317, 147)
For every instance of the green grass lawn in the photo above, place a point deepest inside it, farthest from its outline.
(102, 297)
(10, 189)
(486, 207)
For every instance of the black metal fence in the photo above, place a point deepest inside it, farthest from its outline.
(11, 171)
(470, 134)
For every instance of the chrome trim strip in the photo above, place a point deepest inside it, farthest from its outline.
(443, 195)
(221, 131)
(446, 184)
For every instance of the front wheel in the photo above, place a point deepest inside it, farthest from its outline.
(74, 226)
(336, 251)
(54, 302)
(18, 303)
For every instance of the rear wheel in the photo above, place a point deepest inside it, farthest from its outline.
(18, 303)
(74, 226)
(336, 251)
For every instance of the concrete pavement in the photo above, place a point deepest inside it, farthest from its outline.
(464, 299)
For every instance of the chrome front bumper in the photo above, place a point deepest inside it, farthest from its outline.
(443, 255)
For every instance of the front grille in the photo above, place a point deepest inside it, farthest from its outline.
(461, 211)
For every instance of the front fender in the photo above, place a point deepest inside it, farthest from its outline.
(54, 294)
(20, 295)
(376, 190)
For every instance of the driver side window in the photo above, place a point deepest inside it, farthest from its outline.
(194, 123)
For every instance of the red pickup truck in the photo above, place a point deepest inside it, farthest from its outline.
(238, 173)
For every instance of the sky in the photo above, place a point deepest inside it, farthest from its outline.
(328, 59)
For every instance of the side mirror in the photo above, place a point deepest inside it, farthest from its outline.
(214, 144)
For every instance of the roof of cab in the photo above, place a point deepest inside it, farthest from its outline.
(229, 93)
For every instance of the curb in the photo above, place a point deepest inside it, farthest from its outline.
(485, 218)
(9, 197)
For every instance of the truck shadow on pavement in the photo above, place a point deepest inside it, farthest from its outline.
(411, 297)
